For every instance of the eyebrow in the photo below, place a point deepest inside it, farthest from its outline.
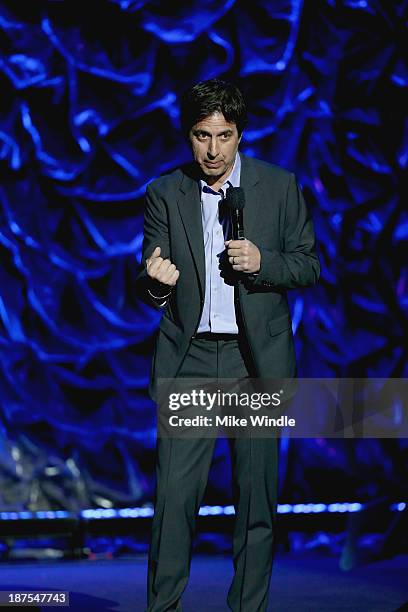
(198, 131)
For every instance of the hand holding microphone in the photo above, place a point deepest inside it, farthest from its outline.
(243, 255)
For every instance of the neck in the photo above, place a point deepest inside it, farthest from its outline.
(215, 182)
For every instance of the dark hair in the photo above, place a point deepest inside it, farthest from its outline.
(208, 97)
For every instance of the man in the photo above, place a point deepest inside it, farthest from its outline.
(216, 327)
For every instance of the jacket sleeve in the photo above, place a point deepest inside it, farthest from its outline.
(155, 233)
(297, 264)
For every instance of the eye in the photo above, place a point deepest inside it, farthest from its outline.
(226, 136)
(201, 135)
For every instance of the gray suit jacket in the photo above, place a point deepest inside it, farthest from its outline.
(276, 220)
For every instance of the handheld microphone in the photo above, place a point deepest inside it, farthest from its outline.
(235, 201)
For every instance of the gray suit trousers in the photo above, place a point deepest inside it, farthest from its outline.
(182, 467)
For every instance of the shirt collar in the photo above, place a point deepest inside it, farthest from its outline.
(232, 180)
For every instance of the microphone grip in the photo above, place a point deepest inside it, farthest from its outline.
(237, 224)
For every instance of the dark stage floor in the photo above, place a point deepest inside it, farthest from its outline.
(301, 582)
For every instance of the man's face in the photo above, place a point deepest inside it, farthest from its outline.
(214, 143)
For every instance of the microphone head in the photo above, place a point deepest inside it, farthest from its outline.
(235, 198)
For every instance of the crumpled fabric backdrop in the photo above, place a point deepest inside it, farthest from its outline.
(88, 117)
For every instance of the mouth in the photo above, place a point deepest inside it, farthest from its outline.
(212, 164)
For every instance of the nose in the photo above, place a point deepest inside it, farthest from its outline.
(213, 149)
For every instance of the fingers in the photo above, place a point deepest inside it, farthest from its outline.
(240, 264)
(236, 248)
(242, 255)
(154, 255)
(236, 244)
(174, 278)
(166, 273)
(162, 270)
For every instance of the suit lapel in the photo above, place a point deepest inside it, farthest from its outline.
(249, 182)
(190, 210)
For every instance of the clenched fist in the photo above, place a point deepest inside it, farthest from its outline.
(162, 271)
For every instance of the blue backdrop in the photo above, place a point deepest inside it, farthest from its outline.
(88, 116)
